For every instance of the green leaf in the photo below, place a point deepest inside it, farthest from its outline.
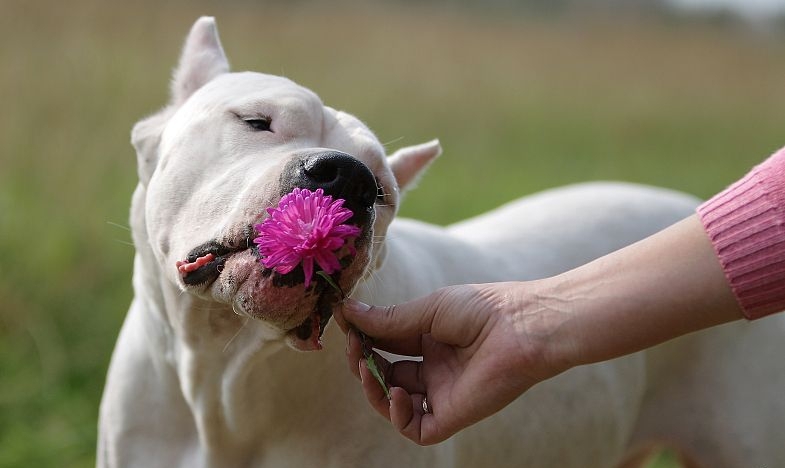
(371, 363)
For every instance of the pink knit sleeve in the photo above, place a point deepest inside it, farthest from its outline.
(746, 224)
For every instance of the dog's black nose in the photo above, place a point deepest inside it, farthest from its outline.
(340, 176)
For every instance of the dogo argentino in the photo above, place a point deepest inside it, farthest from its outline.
(207, 370)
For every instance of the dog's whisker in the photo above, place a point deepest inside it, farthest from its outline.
(384, 237)
(376, 283)
(124, 228)
(393, 141)
(118, 225)
(237, 333)
(124, 242)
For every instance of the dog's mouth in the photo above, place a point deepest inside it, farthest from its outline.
(308, 335)
(233, 272)
(203, 265)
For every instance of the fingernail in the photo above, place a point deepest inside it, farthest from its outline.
(355, 306)
(360, 365)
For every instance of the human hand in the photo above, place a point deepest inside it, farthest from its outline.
(477, 348)
(483, 345)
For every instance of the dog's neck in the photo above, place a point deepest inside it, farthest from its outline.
(223, 365)
(200, 347)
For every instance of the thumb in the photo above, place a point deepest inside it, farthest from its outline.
(395, 328)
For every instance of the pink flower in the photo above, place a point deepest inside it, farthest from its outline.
(305, 227)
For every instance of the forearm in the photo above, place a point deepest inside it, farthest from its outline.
(662, 287)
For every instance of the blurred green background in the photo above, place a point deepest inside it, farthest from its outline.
(522, 99)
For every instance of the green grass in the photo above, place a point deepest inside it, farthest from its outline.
(520, 105)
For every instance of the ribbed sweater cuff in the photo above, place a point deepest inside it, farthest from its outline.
(746, 224)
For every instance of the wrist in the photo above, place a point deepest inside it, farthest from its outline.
(543, 323)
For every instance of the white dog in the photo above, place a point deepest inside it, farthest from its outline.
(205, 372)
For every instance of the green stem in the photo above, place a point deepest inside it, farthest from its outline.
(371, 363)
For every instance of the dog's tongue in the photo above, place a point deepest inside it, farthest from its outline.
(185, 267)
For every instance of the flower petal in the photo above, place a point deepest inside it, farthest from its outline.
(308, 270)
(305, 227)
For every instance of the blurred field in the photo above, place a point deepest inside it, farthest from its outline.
(520, 104)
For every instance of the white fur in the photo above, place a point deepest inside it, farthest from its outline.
(192, 384)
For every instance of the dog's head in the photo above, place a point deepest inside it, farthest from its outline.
(230, 145)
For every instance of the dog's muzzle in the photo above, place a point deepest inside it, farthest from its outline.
(338, 175)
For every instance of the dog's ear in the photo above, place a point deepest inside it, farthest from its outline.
(202, 59)
(409, 163)
(145, 136)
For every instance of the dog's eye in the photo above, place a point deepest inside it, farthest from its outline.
(261, 124)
